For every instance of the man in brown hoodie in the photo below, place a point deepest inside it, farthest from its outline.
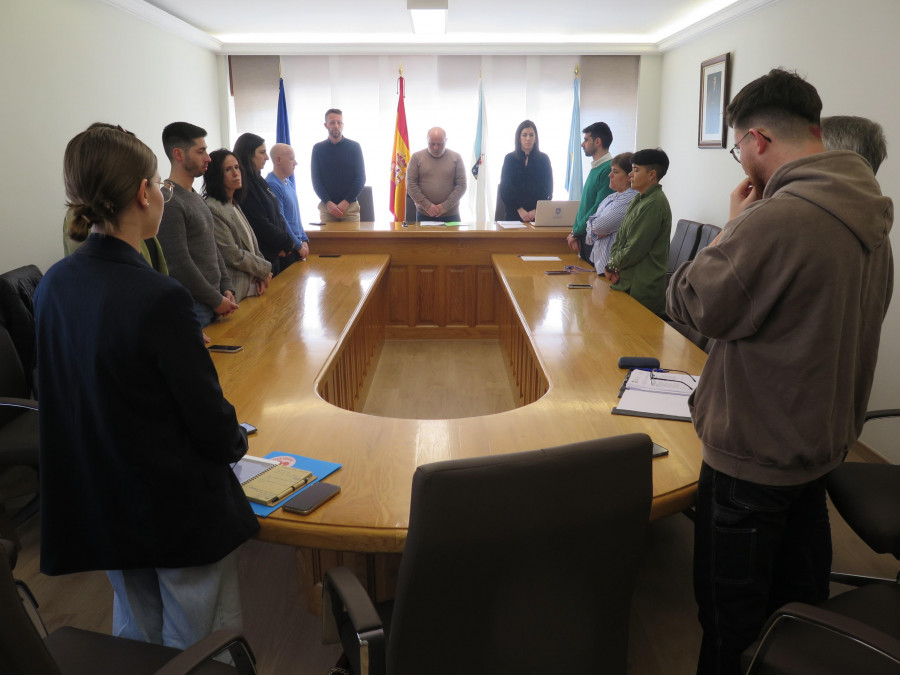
(794, 292)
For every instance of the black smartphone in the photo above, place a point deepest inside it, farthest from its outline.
(312, 498)
(249, 428)
(329, 255)
(580, 286)
(659, 451)
(555, 272)
(227, 349)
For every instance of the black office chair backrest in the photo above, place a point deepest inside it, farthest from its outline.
(366, 205)
(707, 234)
(523, 563)
(410, 209)
(12, 377)
(499, 209)
(683, 246)
(21, 647)
(17, 314)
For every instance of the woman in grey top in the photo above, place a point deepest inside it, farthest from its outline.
(222, 186)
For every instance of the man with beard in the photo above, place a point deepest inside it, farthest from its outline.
(436, 180)
(794, 293)
(597, 139)
(338, 172)
(187, 229)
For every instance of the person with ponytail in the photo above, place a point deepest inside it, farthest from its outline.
(133, 422)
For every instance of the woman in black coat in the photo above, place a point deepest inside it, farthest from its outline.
(526, 177)
(261, 207)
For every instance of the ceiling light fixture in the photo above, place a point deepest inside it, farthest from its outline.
(429, 17)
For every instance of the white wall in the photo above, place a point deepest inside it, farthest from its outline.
(850, 54)
(66, 64)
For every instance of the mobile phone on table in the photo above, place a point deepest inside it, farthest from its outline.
(659, 451)
(329, 255)
(580, 286)
(249, 428)
(555, 272)
(311, 498)
(226, 349)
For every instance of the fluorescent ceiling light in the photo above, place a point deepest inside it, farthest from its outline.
(429, 21)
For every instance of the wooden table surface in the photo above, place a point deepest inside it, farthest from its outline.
(292, 334)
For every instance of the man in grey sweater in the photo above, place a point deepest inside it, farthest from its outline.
(436, 179)
(186, 231)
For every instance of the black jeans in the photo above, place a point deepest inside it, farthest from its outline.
(756, 547)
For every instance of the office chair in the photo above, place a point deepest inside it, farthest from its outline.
(499, 209)
(520, 563)
(17, 315)
(707, 234)
(410, 209)
(683, 246)
(857, 631)
(18, 436)
(366, 205)
(26, 648)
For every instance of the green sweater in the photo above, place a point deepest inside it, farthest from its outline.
(640, 252)
(596, 189)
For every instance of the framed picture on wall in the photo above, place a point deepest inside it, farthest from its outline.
(715, 75)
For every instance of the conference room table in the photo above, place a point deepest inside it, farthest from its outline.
(311, 343)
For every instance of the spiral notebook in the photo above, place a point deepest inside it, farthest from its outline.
(266, 482)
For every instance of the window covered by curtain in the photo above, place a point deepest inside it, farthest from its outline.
(440, 91)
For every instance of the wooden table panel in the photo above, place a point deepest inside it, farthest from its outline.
(300, 327)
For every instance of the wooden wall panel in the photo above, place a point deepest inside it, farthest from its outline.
(460, 295)
(427, 292)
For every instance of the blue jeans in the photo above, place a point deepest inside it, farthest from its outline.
(756, 547)
(204, 313)
(176, 607)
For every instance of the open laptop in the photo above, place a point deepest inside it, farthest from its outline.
(555, 214)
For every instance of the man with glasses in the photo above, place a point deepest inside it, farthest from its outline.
(794, 293)
(187, 228)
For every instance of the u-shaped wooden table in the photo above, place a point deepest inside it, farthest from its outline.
(311, 340)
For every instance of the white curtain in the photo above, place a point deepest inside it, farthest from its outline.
(440, 91)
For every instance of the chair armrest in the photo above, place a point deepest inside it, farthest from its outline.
(833, 622)
(27, 403)
(342, 591)
(210, 646)
(878, 414)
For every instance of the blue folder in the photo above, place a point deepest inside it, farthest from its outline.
(319, 467)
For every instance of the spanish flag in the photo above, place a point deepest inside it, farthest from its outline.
(399, 161)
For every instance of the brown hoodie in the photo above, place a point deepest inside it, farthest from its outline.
(794, 293)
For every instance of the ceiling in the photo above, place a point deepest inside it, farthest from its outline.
(374, 26)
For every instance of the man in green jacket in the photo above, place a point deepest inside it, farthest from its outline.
(639, 256)
(597, 139)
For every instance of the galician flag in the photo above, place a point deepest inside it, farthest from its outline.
(399, 161)
(479, 168)
(574, 180)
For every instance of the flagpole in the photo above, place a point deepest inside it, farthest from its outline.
(399, 155)
(574, 177)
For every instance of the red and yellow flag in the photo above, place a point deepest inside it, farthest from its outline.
(399, 161)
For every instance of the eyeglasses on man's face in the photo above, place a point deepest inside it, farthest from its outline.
(736, 150)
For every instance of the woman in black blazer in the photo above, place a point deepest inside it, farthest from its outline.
(527, 176)
(260, 205)
(136, 436)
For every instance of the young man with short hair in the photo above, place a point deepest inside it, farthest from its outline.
(597, 139)
(794, 292)
(338, 172)
(639, 257)
(187, 229)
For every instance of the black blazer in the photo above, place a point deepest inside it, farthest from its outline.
(523, 186)
(260, 205)
(136, 436)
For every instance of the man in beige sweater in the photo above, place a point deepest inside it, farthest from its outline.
(436, 180)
